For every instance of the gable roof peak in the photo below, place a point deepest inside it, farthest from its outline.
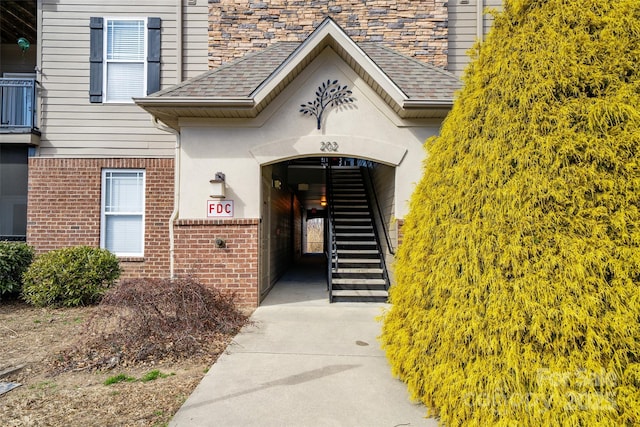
(245, 86)
(328, 33)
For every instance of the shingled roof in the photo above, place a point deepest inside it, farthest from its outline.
(242, 88)
(235, 79)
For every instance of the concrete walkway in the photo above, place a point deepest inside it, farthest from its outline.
(304, 362)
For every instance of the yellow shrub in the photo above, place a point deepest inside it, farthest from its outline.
(517, 299)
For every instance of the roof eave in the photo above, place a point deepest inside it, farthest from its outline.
(198, 102)
(171, 110)
(425, 108)
(410, 104)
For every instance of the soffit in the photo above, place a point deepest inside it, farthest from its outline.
(17, 19)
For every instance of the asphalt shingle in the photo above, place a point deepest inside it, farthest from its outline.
(416, 79)
(235, 79)
(239, 78)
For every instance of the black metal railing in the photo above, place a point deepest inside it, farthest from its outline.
(17, 105)
(383, 262)
(331, 244)
(366, 165)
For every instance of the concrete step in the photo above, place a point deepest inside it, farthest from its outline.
(354, 281)
(360, 293)
(351, 206)
(349, 196)
(352, 213)
(358, 261)
(359, 271)
(356, 242)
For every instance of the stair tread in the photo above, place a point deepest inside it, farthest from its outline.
(359, 293)
(359, 270)
(357, 242)
(340, 281)
(375, 261)
(356, 256)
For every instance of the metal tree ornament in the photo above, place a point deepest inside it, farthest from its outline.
(329, 94)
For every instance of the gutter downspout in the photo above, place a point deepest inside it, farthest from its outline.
(38, 101)
(480, 20)
(176, 193)
(176, 157)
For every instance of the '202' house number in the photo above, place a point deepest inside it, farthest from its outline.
(328, 146)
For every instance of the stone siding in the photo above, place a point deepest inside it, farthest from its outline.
(418, 29)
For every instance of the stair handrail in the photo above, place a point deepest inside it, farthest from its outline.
(383, 262)
(331, 246)
(372, 190)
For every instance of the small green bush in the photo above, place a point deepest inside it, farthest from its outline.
(154, 375)
(15, 258)
(70, 277)
(118, 379)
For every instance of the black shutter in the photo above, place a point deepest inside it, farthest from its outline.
(153, 56)
(95, 60)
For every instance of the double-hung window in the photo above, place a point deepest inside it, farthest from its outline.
(122, 221)
(124, 65)
(124, 58)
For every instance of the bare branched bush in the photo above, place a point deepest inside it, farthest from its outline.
(315, 235)
(142, 320)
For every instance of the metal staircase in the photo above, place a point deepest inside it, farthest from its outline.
(357, 270)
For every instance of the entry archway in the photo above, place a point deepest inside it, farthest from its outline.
(295, 190)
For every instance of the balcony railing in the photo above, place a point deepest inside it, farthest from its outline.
(17, 105)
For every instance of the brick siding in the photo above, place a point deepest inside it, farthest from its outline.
(232, 268)
(417, 29)
(64, 208)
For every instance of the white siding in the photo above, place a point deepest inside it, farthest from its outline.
(463, 30)
(195, 38)
(72, 126)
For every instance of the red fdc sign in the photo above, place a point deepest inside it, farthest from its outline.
(219, 208)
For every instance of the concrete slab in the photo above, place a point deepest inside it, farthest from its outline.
(303, 362)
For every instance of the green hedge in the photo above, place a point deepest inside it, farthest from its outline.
(70, 277)
(15, 258)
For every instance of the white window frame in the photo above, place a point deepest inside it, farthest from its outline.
(106, 61)
(104, 214)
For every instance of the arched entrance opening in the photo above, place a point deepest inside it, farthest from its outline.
(337, 212)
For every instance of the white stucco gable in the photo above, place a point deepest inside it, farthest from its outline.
(366, 129)
(246, 115)
(329, 34)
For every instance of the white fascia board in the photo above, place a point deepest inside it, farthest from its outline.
(188, 101)
(326, 31)
(427, 103)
